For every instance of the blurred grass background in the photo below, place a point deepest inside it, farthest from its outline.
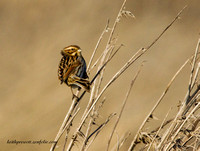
(33, 103)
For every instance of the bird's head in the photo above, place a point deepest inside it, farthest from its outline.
(71, 50)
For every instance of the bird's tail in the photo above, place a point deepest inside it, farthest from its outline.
(83, 83)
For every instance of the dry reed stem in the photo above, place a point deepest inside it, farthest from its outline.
(98, 85)
(122, 108)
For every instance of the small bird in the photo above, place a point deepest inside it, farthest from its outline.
(72, 69)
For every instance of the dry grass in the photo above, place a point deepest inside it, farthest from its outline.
(85, 124)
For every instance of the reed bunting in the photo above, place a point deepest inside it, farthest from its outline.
(72, 69)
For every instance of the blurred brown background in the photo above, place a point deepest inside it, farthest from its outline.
(33, 103)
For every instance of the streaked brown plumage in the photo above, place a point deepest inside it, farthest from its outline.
(72, 68)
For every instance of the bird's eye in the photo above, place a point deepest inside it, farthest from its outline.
(72, 48)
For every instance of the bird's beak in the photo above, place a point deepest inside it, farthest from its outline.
(79, 50)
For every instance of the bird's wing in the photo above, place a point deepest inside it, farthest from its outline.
(68, 70)
(61, 69)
